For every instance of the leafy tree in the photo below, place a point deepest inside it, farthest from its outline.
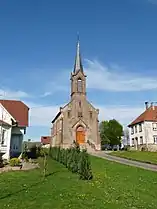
(111, 132)
(104, 132)
(115, 132)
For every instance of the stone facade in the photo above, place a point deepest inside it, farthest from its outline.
(78, 120)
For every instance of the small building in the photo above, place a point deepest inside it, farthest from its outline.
(77, 121)
(13, 122)
(143, 130)
(45, 141)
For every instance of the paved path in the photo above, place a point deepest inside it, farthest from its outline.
(146, 166)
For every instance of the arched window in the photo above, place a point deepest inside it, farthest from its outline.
(79, 85)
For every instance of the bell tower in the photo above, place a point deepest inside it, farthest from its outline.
(78, 78)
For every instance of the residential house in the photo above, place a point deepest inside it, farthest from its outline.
(13, 123)
(143, 130)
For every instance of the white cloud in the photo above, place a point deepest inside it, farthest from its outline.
(42, 116)
(153, 1)
(114, 78)
(46, 94)
(124, 114)
(10, 94)
(105, 77)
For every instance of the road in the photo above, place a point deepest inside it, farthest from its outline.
(104, 155)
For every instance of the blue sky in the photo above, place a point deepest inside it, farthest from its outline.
(118, 46)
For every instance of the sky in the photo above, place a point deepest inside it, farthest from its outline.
(118, 40)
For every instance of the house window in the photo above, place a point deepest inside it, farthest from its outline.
(79, 85)
(132, 130)
(136, 129)
(132, 141)
(140, 127)
(155, 139)
(154, 126)
(141, 139)
(3, 137)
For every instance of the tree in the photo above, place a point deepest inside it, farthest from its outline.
(111, 132)
(115, 132)
(103, 132)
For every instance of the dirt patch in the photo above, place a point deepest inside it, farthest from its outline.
(25, 166)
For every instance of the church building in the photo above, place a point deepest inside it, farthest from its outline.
(77, 121)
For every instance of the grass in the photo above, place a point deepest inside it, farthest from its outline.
(114, 186)
(147, 157)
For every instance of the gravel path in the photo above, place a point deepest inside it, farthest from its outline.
(146, 166)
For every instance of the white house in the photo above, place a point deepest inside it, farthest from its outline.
(13, 123)
(143, 130)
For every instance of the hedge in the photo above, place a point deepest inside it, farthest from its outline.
(74, 159)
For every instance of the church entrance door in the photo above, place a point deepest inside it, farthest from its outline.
(80, 135)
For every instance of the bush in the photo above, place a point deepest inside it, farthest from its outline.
(144, 149)
(33, 152)
(126, 148)
(14, 162)
(75, 160)
(84, 166)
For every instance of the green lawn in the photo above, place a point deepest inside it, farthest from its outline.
(114, 186)
(148, 157)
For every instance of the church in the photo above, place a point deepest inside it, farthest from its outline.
(77, 121)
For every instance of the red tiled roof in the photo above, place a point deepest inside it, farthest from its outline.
(148, 115)
(45, 139)
(18, 110)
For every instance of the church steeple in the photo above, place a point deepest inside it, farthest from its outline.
(78, 78)
(78, 63)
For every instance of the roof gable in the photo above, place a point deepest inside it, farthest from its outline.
(17, 110)
(148, 115)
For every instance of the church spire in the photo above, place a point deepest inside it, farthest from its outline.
(78, 63)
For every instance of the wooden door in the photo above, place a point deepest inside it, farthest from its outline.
(80, 135)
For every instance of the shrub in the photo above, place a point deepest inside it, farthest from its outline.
(74, 163)
(144, 148)
(126, 148)
(41, 152)
(24, 155)
(33, 151)
(84, 166)
(75, 160)
(14, 162)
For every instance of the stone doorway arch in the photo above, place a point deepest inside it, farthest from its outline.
(80, 135)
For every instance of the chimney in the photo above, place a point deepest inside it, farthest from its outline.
(152, 106)
(146, 105)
